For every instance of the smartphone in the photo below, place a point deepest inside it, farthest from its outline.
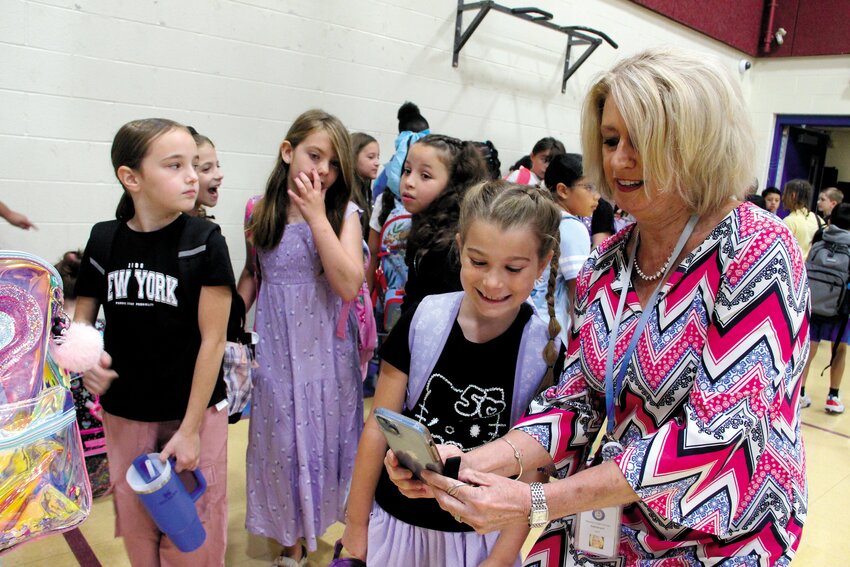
(410, 441)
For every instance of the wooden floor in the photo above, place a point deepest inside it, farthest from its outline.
(825, 539)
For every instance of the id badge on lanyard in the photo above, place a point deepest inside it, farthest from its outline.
(598, 531)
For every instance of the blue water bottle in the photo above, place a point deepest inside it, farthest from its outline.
(168, 502)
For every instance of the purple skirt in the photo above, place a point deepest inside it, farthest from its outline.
(393, 542)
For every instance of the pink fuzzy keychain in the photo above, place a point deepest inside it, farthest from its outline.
(79, 348)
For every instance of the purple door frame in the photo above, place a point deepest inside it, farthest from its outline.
(783, 120)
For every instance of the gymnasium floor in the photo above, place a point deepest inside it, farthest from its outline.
(825, 540)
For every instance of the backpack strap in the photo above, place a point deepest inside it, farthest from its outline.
(531, 366)
(429, 330)
(193, 239)
(99, 247)
(192, 245)
(398, 213)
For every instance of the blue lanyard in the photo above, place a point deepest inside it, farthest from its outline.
(611, 389)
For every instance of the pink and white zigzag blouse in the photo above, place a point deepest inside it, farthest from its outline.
(708, 411)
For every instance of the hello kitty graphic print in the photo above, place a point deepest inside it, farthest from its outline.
(466, 415)
(708, 411)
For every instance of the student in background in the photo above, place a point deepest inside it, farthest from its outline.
(772, 199)
(307, 404)
(828, 199)
(576, 198)
(835, 329)
(438, 171)
(802, 222)
(367, 161)
(412, 126)
(210, 175)
(541, 155)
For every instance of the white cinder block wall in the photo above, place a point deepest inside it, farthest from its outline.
(240, 71)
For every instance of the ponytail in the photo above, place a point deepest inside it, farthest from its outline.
(126, 209)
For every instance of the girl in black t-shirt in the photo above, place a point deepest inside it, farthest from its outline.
(436, 173)
(480, 381)
(166, 314)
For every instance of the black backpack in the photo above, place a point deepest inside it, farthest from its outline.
(193, 242)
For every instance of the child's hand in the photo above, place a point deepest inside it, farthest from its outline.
(310, 196)
(447, 451)
(185, 448)
(407, 484)
(98, 379)
(20, 221)
(355, 539)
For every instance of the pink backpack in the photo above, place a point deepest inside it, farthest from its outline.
(364, 311)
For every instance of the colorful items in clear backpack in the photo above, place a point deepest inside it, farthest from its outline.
(44, 487)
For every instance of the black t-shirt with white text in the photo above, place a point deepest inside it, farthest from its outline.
(466, 402)
(152, 331)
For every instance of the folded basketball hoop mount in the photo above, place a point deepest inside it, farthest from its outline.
(577, 36)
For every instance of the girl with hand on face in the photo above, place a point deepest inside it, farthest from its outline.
(464, 364)
(436, 174)
(210, 176)
(166, 314)
(307, 410)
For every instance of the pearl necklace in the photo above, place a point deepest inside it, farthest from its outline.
(657, 274)
(654, 276)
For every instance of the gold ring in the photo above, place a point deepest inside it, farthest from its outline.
(458, 519)
(453, 490)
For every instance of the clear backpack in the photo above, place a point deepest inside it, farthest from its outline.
(44, 487)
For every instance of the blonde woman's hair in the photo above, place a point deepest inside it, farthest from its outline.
(510, 206)
(269, 218)
(686, 119)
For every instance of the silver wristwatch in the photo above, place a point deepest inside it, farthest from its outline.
(538, 517)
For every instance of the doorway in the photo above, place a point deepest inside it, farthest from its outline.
(803, 146)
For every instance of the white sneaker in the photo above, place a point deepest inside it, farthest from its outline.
(834, 405)
(805, 401)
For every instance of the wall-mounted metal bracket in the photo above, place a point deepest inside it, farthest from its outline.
(577, 36)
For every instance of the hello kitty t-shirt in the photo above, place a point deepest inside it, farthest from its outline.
(465, 402)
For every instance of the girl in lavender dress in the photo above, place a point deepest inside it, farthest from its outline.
(307, 410)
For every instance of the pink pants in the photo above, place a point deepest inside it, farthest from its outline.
(146, 546)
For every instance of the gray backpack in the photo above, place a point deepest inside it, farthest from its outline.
(828, 267)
